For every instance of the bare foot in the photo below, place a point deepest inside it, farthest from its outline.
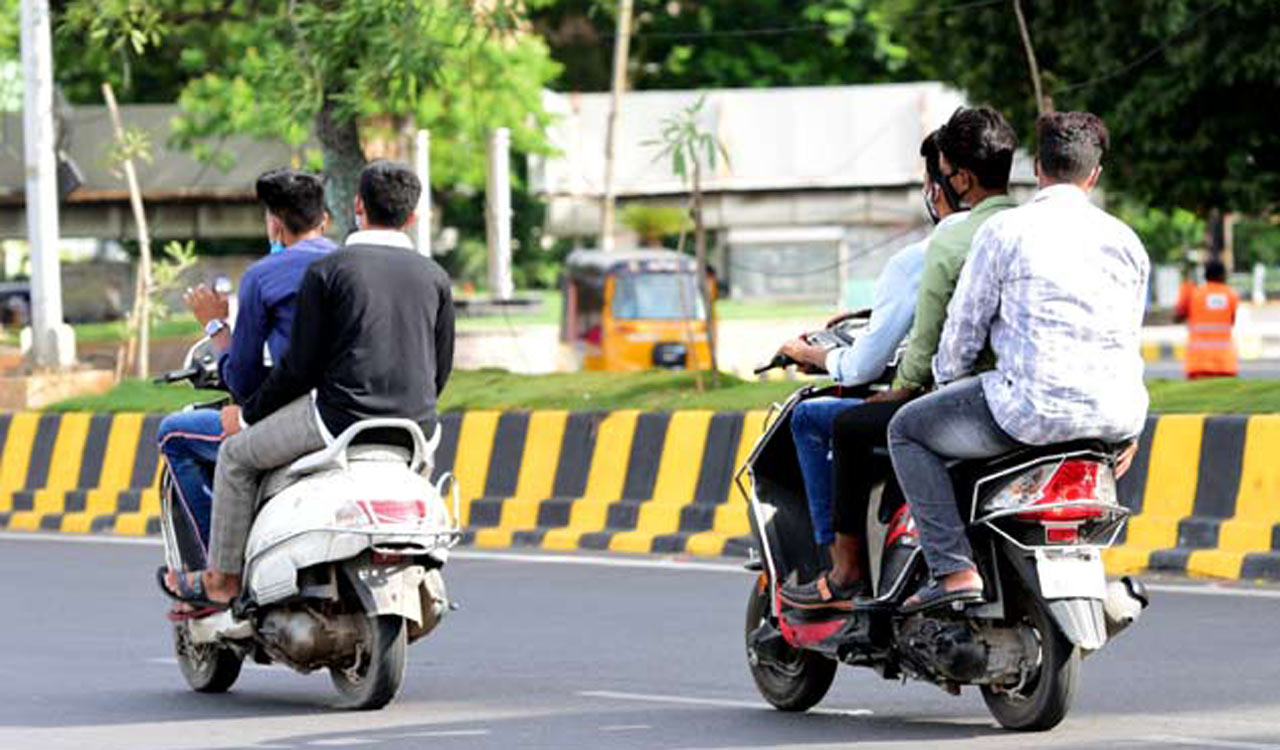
(962, 579)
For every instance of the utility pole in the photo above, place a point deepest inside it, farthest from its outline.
(1041, 104)
(621, 44)
(422, 157)
(498, 214)
(52, 341)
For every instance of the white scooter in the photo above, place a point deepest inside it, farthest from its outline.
(342, 568)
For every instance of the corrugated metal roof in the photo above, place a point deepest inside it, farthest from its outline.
(171, 173)
(807, 138)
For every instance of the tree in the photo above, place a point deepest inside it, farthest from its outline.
(349, 73)
(691, 149)
(1180, 83)
(694, 44)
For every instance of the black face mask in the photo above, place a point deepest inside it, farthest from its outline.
(948, 195)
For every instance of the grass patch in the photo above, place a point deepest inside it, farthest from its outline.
(665, 391)
(1218, 396)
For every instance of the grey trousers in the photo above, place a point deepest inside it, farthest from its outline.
(954, 422)
(243, 460)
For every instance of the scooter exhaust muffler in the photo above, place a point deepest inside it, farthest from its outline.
(1126, 599)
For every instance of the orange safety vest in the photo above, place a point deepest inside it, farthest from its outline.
(1211, 313)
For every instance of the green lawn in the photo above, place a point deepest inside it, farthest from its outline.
(497, 389)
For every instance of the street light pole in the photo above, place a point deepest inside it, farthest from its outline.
(422, 159)
(52, 342)
(620, 51)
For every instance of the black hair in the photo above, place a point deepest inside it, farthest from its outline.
(933, 167)
(980, 140)
(390, 192)
(295, 198)
(1070, 145)
(1214, 270)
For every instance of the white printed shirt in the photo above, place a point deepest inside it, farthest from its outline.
(1059, 286)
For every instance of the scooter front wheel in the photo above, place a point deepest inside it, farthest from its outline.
(207, 667)
(378, 672)
(797, 681)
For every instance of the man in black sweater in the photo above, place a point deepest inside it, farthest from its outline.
(372, 337)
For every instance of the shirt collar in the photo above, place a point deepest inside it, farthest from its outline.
(314, 243)
(1060, 190)
(385, 237)
(992, 203)
(952, 218)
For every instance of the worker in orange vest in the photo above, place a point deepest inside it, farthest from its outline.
(1210, 312)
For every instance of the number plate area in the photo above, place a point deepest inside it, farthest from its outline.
(1074, 573)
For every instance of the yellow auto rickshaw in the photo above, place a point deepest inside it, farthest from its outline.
(635, 310)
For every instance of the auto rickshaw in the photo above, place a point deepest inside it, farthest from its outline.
(635, 310)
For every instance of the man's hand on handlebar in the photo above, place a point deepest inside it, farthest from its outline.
(810, 358)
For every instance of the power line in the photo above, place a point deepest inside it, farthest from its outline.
(1145, 56)
(806, 29)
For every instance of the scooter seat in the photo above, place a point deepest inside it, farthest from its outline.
(323, 460)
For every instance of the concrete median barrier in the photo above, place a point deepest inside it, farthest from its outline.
(1205, 490)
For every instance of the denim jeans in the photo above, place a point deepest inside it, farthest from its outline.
(811, 431)
(189, 441)
(952, 423)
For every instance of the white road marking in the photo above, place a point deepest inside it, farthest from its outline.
(626, 727)
(442, 733)
(1207, 589)
(1203, 742)
(717, 702)
(343, 742)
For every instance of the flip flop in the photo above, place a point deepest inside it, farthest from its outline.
(189, 592)
(821, 594)
(191, 614)
(932, 595)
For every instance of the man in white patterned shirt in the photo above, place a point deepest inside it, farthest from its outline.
(1058, 285)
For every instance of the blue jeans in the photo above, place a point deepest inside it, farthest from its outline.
(811, 431)
(954, 422)
(189, 441)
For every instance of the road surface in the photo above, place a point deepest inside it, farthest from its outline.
(584, 653)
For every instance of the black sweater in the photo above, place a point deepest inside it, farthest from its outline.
(372, 335)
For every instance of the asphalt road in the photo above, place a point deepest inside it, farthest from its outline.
(568, 655)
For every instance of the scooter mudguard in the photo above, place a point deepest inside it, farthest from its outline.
(387, 590)
(1082, 621)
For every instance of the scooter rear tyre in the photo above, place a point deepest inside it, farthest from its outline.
(809, 674)
(377, 681)
(1045, 704)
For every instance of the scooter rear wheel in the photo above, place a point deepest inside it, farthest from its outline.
(799, 681)
(378, 673)
(207, 668)
(1043, 702)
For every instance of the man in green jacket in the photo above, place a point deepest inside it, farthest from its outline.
(977, 148)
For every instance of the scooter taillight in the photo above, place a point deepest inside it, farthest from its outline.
(381, 512)
(1071, 494)
(1071, 491)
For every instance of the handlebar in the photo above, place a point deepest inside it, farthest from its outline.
(779, 361)
(174, 376)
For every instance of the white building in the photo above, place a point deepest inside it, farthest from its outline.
(821, 185)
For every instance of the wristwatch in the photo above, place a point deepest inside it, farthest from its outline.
(214, 327)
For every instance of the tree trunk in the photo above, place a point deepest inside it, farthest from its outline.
(700, 256)
(343, 159)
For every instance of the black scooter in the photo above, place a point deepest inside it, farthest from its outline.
(1038, 520)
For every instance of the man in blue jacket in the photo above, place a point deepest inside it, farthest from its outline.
(189, 440)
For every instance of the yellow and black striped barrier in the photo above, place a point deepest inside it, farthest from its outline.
(1205, 490)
